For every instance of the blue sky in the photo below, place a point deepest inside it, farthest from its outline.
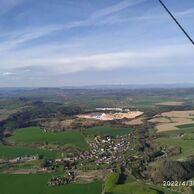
(89, 42)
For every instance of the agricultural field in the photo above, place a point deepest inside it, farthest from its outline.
(9, 152)
(170, 103)
(37, 184)
(34, 135)
(169, 121)
(151, 102)
(106, 130)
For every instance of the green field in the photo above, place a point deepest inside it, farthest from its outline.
(106, 130)
(186, 145)
(132, 187)
(37, 184)
(183, 137)
(34, 135)
(175, 133)
(186, 126)
(8, 152)
(147, 102)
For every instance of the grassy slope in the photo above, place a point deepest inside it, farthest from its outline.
(110, 181)
(186, 145)
(35, 135)
(132, 187)
(138, 188)
(9, 152)
(107, 130)
(173, 138)
(37, 184)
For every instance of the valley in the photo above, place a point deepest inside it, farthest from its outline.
(63, 147)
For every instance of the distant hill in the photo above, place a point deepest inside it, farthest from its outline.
(138, 86)
(115, 86)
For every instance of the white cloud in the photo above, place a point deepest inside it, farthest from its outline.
(116, 8)
(17, 38)
(61, 63)
(100, 17)
(8, 73)
(185, 12)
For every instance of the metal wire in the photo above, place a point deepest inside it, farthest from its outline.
(179, 25)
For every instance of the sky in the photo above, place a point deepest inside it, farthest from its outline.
(55, 43)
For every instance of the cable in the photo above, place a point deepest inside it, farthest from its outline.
(168, 11)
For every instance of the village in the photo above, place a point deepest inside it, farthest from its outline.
(103, 151)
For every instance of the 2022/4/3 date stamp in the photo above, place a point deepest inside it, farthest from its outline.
(189, 183)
